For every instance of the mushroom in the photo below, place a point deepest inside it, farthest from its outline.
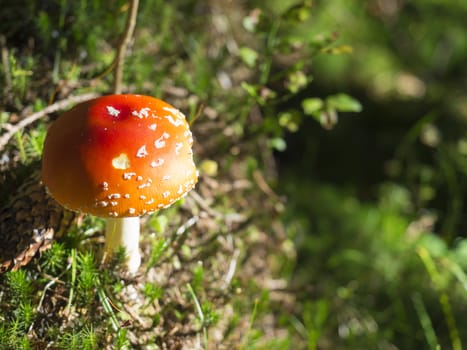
(119, 157)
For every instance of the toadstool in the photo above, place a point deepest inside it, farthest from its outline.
(119, 157)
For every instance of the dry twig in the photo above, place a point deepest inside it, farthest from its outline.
(122, 48)
(57, 106)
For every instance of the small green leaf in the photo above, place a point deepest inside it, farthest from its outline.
(159, 223)
(278, 144)
(209, 167)
(338, 50)
(296, 81)
(248, 56)
(344, 103)
(250, 22)
(290, 120)
(250, 89)
(4, 117)
(299, 12)
(312, 105)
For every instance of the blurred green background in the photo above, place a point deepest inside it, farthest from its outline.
(377, 203)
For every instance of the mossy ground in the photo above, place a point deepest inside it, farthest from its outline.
(211, 263)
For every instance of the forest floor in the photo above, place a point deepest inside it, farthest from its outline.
(211, 264)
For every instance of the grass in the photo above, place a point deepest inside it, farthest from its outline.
(372, 283)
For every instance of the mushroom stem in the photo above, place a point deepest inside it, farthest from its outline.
(124, 232)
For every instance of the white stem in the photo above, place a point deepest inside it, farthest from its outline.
(124, 232)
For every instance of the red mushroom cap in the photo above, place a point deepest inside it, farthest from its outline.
(118, 156)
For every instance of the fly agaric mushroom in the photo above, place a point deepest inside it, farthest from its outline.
(119, 157)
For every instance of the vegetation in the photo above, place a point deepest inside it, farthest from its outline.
(332, 147)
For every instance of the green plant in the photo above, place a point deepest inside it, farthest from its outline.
(20, 287)
(54, 259)
(85, 339)
(283, 71)
(206, 314)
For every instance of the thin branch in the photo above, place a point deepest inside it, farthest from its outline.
(263, 185)
(232, 268)
(57, 106)
(6, 63)
(123, 46)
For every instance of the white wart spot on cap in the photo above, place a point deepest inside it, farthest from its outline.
(128, 176)
(142, 113)
(144, 185)
(189, 184)
(114, 196)
(121, 162)
(175, 112)
(101, 204)
(104, 186)
(166, 194)
(113, 111)
(180, 189)
(189, 136)
(153, 127)
(174, 121)
(142, 152)
(160, 142)
(131, 210)
(178, 147)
